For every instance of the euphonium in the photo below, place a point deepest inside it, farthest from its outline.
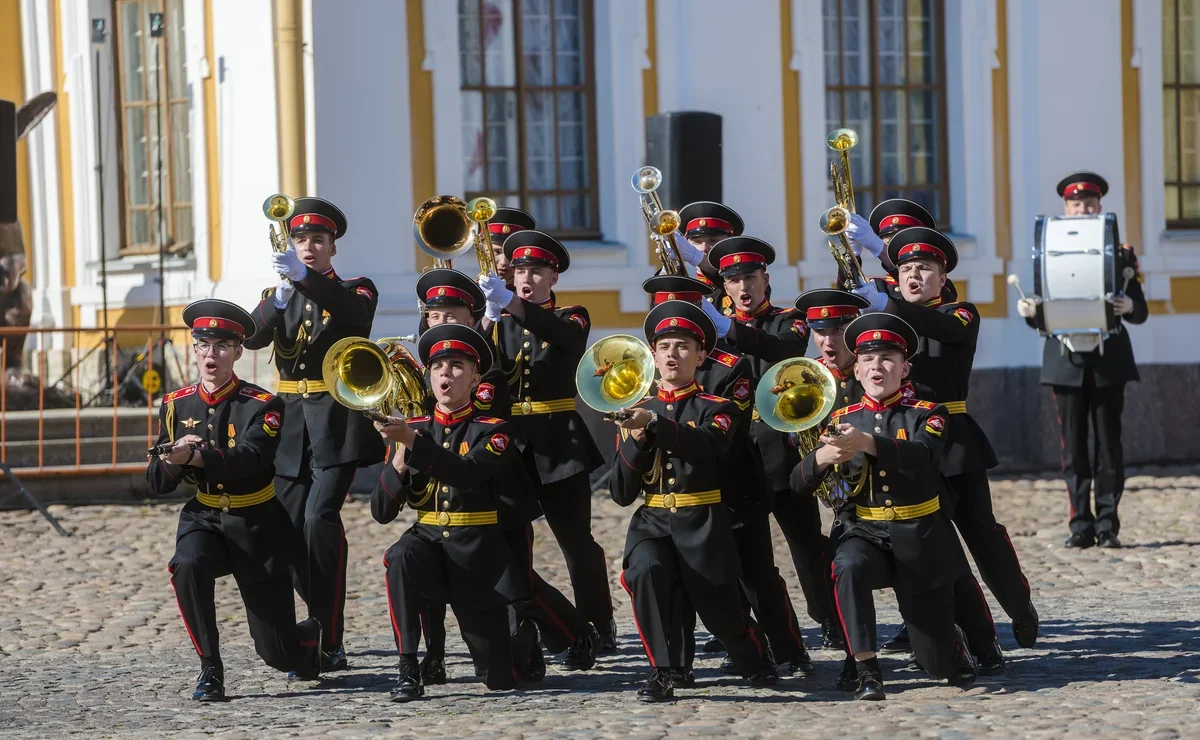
(279, 208)
(614, 374)
(382, 376)
(442, 228)
(663, 223)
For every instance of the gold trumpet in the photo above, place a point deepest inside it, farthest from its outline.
(836, 220)
(614, 374)
(376, 378)
(842, 140)
(662, 222)
(480, 211)
(279, 208)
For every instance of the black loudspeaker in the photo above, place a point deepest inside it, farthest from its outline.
(686, 146)
(8, 162)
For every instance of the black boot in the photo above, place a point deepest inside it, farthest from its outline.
(968, 669)
(713, 645)
(334, 660)
(831, 635)
(681, 678)
(848, 681)
(528, 634)
(728, 668)
(800, 665)
(608, 640)
(766, 674)
(870, 681)
(408, 683)
(1025, 627)
(658, 687)
(210, 686)
(581, 656)
(898, 644)
(310, 642)
(991, 661)
(1080, 541)
(433, 670)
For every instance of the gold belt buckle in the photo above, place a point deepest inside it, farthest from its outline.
(302, 386)
(223, 502)
(526, 408)
(669, 501)
(889, 514)
(444, 518)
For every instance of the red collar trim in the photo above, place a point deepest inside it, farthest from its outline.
(934, 303)
(331, 274)
(762, 308)
(679, 394)
(873, 405)
(548, 303)
(836, 371)
(212, 399)
(453, 417)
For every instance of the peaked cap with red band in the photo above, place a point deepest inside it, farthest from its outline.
(919, 242)
(676, 288)
(1082, 184)
(873, 331)
(455, 339)
(213, 318)
(531, 247)
(899, 213)
(509, 221)
(825, 308)
(740, 254)
(708, 218)
(445, 287)
(317, 214)
(680, 317)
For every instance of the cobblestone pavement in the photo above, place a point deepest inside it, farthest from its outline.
(91, 641)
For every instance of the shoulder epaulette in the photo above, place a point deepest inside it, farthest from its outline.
(418, 419)
(727, 359)
(711, 397)
(258, 394)
(487, 420)
(917, 403)
(181, 393)
(267, 293)
(566, 308)
(846, 410)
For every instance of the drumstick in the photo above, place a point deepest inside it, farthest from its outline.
(1015, 281)
(1128, 274)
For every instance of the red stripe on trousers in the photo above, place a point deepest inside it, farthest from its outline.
(538, 599)
(791, 612)
(339, 596)
(636, 623)
(837, 604)
(392, 612)
(983, 599)
(186, 626)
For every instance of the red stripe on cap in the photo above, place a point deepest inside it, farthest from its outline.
(452, 345)
(738, 258)
(213, 322)
(881, 335)
(449, 291)
(535, 253)
(1076, 188)
(308, 219)
(675, 323)
(708, 222)
(688, 296)
(921, 249)
(495, 228)
(898, 221)
(831, 312)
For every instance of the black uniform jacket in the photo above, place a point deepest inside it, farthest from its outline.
(683, 455)
(240, 425)
(464, 468)
(909, 440)
(324, 309)
(771, 334)
(942, 364)
(491, 395)
(1116, 366)
(744, 483)
(539, 355)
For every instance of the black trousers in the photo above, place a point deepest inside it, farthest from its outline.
(567, 505)
(860, 567)
(765, 588)
(988, 542)
(201, 557)
(314, 503)
(416, 574)
(799, 518)
(1100, 409)
(655, 584)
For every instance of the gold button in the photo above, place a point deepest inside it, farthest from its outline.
(527, 344)
(445, 489)
(446, 504)
(446, 444)
(525, 332)
(302, 366)
(212, 411)
(444, 518)
(210, 426)
(888, 502)
(668, 466)
(673, 509)
(445, 534)
(308, 322)
(882, 473)
(889, 514)
(877, 429)
(445, 430)
(545, 345)
(843, 384)
(878, 416)
(526, 383)
(845, 399)
(220, 486)
(307, 306)
(212, 442)
(670, 407)
(885, 490)
(223, 502)
(527, 398)
(305, 395)
(670, 481)
(526, 371)
(669, 501)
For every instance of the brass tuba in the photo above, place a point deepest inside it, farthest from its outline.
(381, 376)
(663, 223)
(442, 229)
(614, 374)
(279, 208)
(836, 220)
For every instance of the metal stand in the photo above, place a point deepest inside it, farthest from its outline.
(8, 474)
(108, 338)
(162, 214)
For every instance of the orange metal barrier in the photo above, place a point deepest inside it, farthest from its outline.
(80, 344)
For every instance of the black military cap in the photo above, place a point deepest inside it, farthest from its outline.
(455, 339)
(213, 318)
(899, 213)
(676, 288)
(740, 254)
(825, 308)
(873, 331)
(317, 214)
(680, 317)
(706, 218)
(1082, 184)
(445, 287)
(509, 221)
(531, 247)
(918, 242)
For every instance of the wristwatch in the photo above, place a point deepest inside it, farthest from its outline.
(653, 421)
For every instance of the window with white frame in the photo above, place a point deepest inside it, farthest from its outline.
(1181, 112)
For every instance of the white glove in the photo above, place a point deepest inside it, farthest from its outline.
(495, 290)
(721, 322)
(687, 251)
(863, 237)
(289, 265)
(283, 293)
(493, 312)
(877, 299)
(1026, 308)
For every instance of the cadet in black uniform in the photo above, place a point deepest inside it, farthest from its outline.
(873, 234)
(680, 546)
(704, 224)
(322, 442)
(223, 433)
(942, 363)
(504, 224)
(454, 469)
(895, 534)
(1092, 384)
(539, 346)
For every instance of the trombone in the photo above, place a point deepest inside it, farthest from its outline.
(614, 374)
(662, 222)
(279, 208)
(836, 220)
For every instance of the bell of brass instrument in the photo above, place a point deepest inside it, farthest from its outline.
(378, 376)
(442, 228)
(279, 208)
(834, 222)
(480, 211)
(842, 140)
(663, 223)
(614, 374)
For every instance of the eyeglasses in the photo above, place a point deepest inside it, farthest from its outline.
(219, 349)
